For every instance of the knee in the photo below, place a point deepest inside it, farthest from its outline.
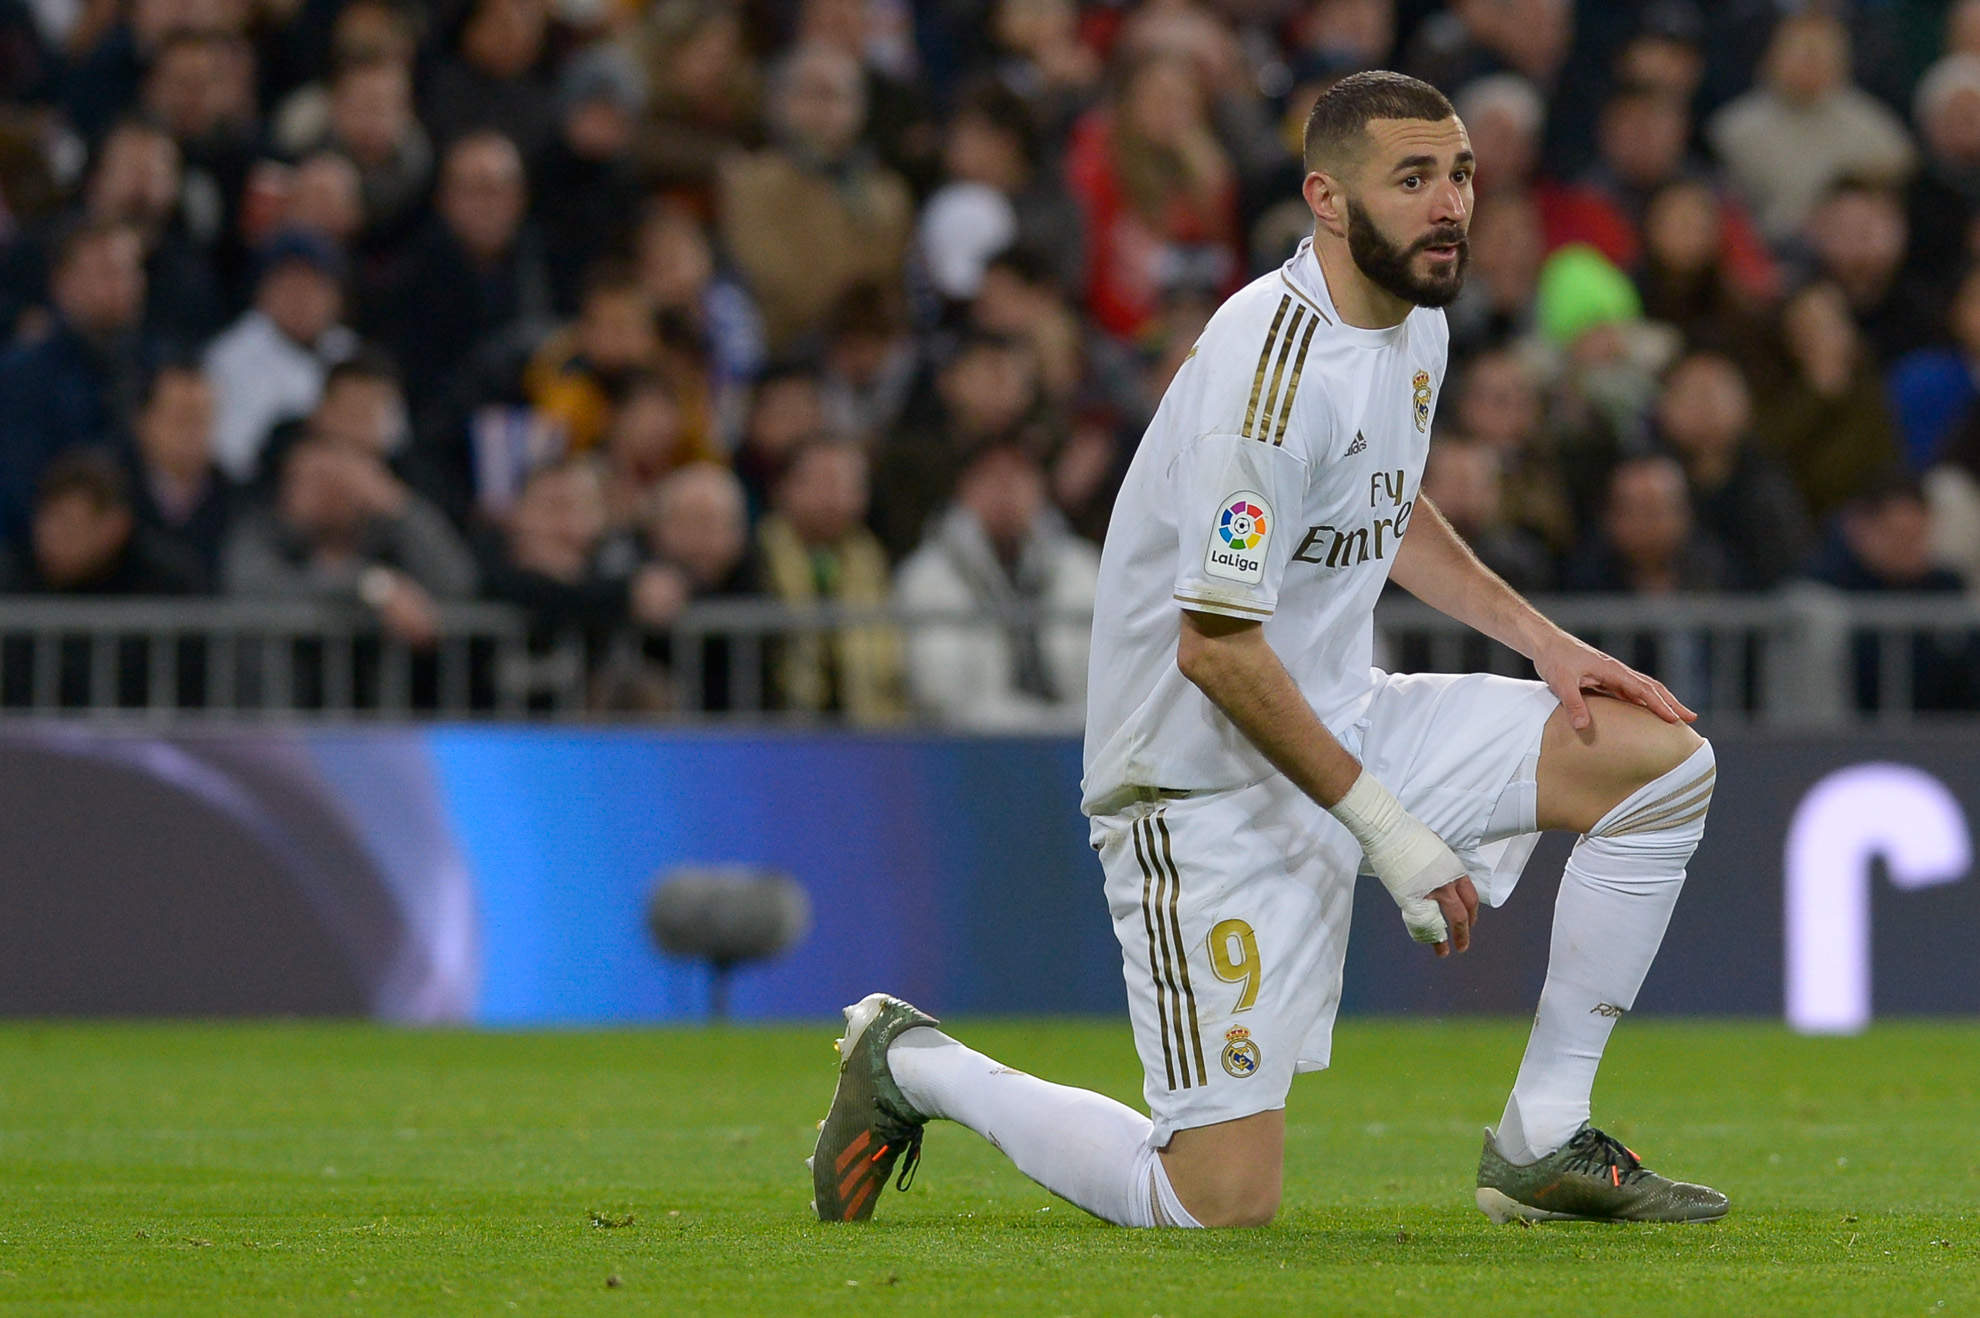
(1658, 747)
(1648, 748)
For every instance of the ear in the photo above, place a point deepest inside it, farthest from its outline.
(1328, 201)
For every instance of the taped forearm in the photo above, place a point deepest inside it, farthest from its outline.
(1411, 861)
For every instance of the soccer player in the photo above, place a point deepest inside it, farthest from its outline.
(1244, 761)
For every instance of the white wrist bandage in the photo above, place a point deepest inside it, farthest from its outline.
(1410, 860)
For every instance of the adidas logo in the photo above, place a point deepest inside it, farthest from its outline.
(1360, 445)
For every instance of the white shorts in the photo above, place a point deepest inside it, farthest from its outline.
(1232, 907)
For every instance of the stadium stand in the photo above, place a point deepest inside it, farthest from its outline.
(693, 358)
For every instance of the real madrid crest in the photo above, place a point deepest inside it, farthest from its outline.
(1420, 388)
(1240, 1053)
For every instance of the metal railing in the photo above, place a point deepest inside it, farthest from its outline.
(190, 658)
(1806, 656)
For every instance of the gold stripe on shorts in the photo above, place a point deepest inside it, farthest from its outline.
(1182, 957)
(1148, 908)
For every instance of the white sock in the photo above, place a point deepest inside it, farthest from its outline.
(1082, 1146)
(1615, 902)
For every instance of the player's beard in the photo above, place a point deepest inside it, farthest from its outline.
(1389, 267)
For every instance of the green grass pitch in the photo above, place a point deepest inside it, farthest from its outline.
(351, 1169)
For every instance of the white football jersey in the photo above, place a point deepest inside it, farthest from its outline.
(1275, 483)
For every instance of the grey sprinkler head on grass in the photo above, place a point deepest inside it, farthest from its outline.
(725, 915)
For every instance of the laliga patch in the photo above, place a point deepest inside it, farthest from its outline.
(1243, 533)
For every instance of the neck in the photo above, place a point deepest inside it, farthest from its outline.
(1361, 302)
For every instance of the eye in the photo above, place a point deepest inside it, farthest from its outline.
(1413, 182)
(1461, 177)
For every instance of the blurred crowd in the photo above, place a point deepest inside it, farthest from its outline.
(607, 307)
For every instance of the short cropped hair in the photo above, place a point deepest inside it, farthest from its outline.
(91, 473)
(1337, 128)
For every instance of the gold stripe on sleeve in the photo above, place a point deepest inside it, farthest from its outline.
(1279, 371)
(1299, 364)
(1264, 359)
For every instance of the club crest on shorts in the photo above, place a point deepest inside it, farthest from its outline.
(1420, 389)
(1242, 534)
(1241, 1057)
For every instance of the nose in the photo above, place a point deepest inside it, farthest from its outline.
(1449, 203)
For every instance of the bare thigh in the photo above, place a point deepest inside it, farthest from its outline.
(1230, 1174)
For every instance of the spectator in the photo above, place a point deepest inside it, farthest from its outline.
(86, 539)
(179, 496)
(815, 214)
(325, 196)
(816, 550)
(1666, 53)
(1599, 354)
(900, 122)
(707, 320)
(363, 408)
(269, 365)
(1944, 195)
(1504, 116)
(548, 559)
(787, 409)
(1472, 38)
(1790, 139)
(870, 364)
(699, 526)
(587, 196)
(1738, 494)
(495, 82)
(1933, 389)
(1464, 481)
(201, 90)
(986, 393)
(1035, 50)
(1507, 248)
(1857, 237)
(705, 94)
(1158, 194)
(1002, 553)
(996, 197)
(574, 376)
(1346, 35)
(1688, 276)
(372, 121)
(1882, 544)
(343, 527)
(698, 523)
(1825, 418)
(1499, 405)
(475, 270)
(364, 32)
(645, 442)
(1021, 299)
(77, 385)
(138, 181)
(1648, 542)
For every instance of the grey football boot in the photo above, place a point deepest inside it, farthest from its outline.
(1592, 1177)
(871, 1125)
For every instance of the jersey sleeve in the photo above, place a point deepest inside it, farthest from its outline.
(1231, 494)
